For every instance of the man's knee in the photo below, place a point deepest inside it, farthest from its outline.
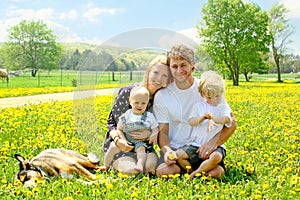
(164, 169)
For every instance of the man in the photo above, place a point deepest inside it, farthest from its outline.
(172, 107)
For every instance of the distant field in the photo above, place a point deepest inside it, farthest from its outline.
(65, 80)
(60, 78)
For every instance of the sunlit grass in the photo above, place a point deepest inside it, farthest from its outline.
(262, 155)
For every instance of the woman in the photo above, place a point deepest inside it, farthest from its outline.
(156, 77)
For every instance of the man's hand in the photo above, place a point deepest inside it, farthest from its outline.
(205, 150)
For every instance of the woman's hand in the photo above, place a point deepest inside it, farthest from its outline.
(153, 140)
(124, 145)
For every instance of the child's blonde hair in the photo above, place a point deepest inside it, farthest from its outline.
(139, 90)
(211, 84)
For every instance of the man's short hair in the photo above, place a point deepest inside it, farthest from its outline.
(181, 52)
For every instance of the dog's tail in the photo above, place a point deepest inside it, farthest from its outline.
(93, 158)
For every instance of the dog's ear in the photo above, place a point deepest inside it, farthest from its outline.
(24, 164)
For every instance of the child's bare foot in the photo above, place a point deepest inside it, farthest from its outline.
(102, 168)
(139, 167)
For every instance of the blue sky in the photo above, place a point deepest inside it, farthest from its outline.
(96, 21)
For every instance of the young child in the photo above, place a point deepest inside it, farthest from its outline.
(136, 119)
(208, 117)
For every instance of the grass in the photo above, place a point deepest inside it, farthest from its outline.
(63, 81)
(262, 155)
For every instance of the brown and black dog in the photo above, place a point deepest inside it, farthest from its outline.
(55, 162)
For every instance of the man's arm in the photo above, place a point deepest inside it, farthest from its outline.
(163, 137)
(164, 144)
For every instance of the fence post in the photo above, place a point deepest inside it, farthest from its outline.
(113, 76)
(130, 76)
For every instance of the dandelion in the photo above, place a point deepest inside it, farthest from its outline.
(134, 195)
(294, 181)
(187, 176)
(279, 187)
(17, 183)
(164, 176)
(208, 198)
(265, 186)
(29, 193)
(109, 186)
(78, 191)
(68, 198)
(250, 170)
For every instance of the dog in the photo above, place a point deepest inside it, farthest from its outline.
(56, 162)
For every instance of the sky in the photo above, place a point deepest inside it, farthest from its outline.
(109, 21)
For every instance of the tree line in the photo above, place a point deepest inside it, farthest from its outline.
(237, 38)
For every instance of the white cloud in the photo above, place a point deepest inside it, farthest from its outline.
(28, 14)
(191, 33)
(49, 16)
(72, 14)
(293, 6)
(92, 13)
(63, 33)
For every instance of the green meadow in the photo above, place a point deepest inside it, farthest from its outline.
(262, 155)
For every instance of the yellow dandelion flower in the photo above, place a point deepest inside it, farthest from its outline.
(188, 167)
(135, 194)
(109, 186)
(68, 198)
(250, 170)
(17, 183)
(278, 187)
(265, 186)
(29, 193)
(133, 188)
(187, 176)
(164, 176)
(294, 181)
(104, 181)
(208, 198)
(35, 190)
(171, 156)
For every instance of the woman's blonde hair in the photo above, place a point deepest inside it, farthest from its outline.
(161, 59)
(211, 84)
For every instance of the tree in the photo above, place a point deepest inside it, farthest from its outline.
(234, 33)
(31, 45)
(280, 31)
(74, 60)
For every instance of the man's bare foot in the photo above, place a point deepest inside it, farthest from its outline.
(193, 174)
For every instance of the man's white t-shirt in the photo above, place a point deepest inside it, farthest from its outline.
(173, 106)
